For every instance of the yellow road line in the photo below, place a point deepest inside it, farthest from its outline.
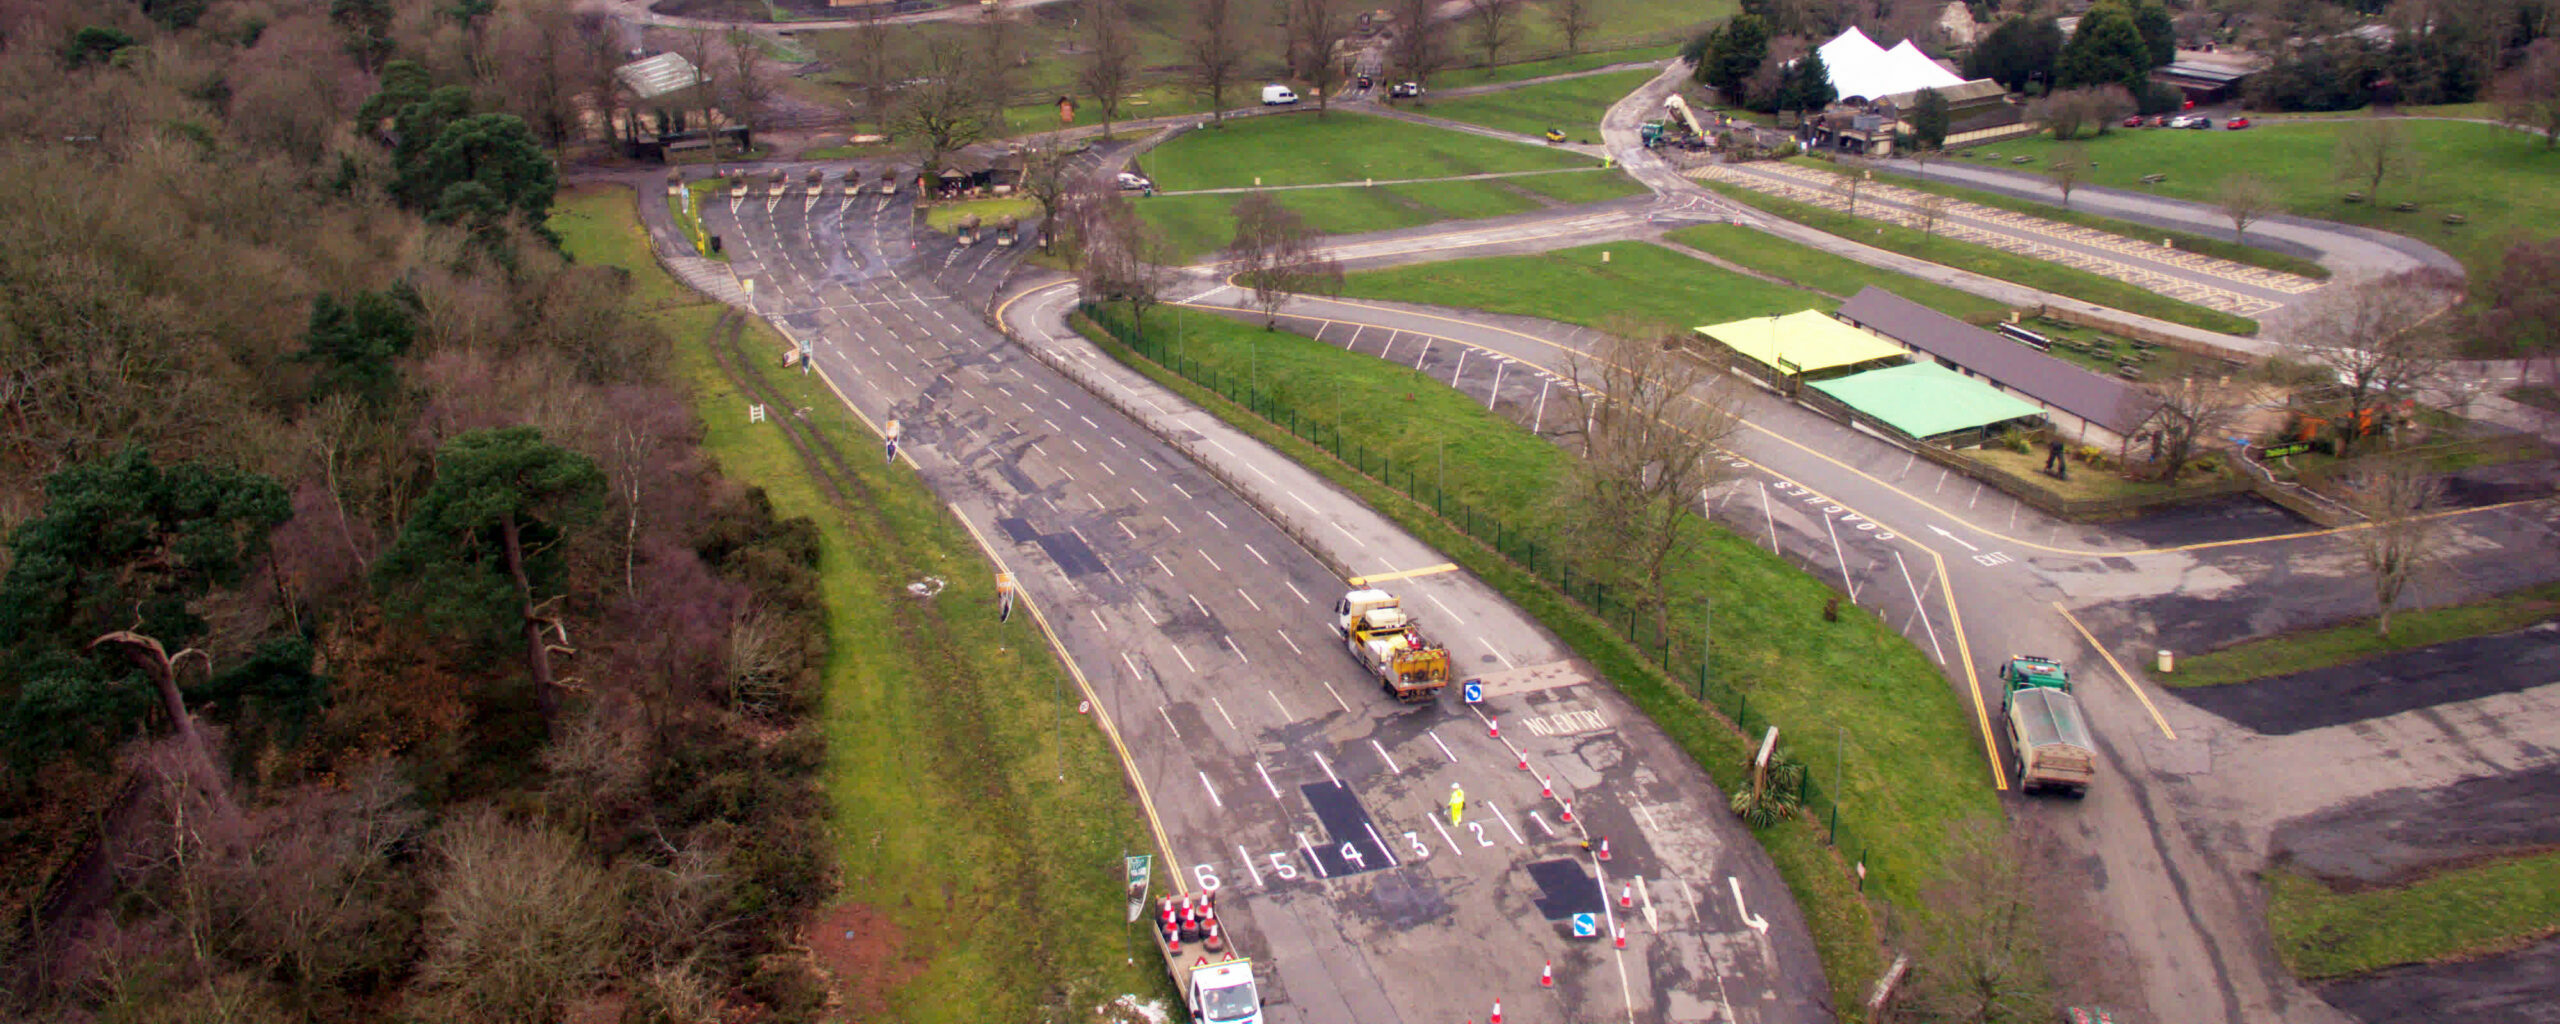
(2120, 672)
(1101, 714)
(1403, 574)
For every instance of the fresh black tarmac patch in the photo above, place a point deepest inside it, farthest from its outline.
(2445, 673)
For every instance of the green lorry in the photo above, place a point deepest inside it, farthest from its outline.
(2048, 739)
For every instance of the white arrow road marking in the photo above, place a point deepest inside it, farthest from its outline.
(1934, 528)
(1757, 923)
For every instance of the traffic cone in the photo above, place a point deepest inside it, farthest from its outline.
(1547, 977)
(1493, 727)
(1524, 762)
(1568, 811)
(1622, 938)
(1627, 896)
(1497, 1013)
(1546, 789)
(1213, 943)
(1604, 848)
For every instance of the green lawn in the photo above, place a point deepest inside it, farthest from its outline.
(1572, 106)
(1994, 263)
(942, 765)
(1648, 283)
(1304, 149)
(1459, 78)
(2219, 247)
(1823, 272)
(1579, 186)
(1912, 759)
(2501, 180)
(2455, 914)
(1622, 23)
(1201, 224)
(946, 216)
(2355, 640)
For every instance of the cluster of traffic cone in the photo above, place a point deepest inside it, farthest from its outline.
(1181, 919)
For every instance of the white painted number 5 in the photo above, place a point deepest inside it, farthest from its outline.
(1280, 866)
(1208, 879)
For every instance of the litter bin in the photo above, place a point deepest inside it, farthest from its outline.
(2164, 661)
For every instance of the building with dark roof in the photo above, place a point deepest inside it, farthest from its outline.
(2087, 408)
(2204, 84)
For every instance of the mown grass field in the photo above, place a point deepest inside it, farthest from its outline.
(1588, 60)
(2501, 180)
(1572, 106)
(1643, 283)
(1994, 263)
(2455, 914)
(1913, 762)
(1307, 149)
(2355, 640)
(943, 752)
(1200, 224)
(1823, 272)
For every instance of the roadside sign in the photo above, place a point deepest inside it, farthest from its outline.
(1474, 691)
(1141, 868)
(892, 438)
(1004, 596)
(1586, 926)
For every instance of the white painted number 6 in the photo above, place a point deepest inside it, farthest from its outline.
(1477, 827)
(1208, 879)
(1420, 852)
(1281, 867)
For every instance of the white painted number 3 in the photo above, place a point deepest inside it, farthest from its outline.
(1420, 852)
(1208, 879)
(1280, 866)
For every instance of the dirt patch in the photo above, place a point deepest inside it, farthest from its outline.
(864, 957)
(2522, 987)
(2394, 837)
(2410, 680)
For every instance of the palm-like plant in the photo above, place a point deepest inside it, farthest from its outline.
(1775, 793)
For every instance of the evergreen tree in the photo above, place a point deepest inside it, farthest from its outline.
(479, 170)
(1929, 119)
(1733, 53)
(1808, 87)
(2106, 50)
(355, 342)
(2018, 51)
(2151, 19)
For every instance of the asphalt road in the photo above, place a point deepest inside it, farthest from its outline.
(1145, 532)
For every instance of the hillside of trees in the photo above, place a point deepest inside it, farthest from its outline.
(377, 643)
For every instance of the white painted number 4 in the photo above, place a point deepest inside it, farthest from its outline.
(1208, 879)
(1280, 866)
(1351, 853)
(1420, 852)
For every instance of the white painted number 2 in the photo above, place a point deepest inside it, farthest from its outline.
(1420, 852)
(1208, 879)
(1477, 827)
(1280, 866)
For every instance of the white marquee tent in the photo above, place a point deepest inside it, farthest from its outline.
(1861, 68)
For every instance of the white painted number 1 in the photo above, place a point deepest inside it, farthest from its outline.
(1208, 880)
(1420, 852)
(1281, 867)
(1477, 827)
(1351, 853)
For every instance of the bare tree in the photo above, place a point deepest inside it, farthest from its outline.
(2398, 498)
(1215, 42)
(996, 67)
(1976, 945)
(521, 922)
(1496, 24)
(1576, 19)
(2373, 335)
(1315, 28)
(1047, 176)
(2373, 151)
(2529, 94)
(2244, 198)
(943, 112)
(1420, 46)
(702, 48)
(2070, 164)
(539, 53)
(1126, 260)
(871, 54)
(1652, 414)
(1275, 254)
(745, 80)
(1931, 209)
(1850, 185)
(2198, 401)
(1111, 56)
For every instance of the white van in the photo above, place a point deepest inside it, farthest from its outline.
(1278, 96)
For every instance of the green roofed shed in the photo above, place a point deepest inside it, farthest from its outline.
(1809, 341)
(1926, 400)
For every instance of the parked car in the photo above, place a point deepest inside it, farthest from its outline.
(2182, 120)
(2159, 120)
(1132, 182)
(2200, 123)
(1278, 96)
(1406, 90)
(2133, 122)
(2235, 124)
(1365, 83)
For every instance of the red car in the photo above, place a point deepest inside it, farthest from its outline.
(2235, 124)
(2133, 122)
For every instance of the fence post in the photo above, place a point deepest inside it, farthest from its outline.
(1834, 838)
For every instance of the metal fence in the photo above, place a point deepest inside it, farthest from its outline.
(1684, 662)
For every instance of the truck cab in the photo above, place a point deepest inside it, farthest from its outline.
(2049, 739)
(1223, 992)
(1390, 646)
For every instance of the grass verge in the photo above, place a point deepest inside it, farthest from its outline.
(2355, 640)
(1462, 77)
(943, 746)
(1813, 268)
(2453, 914)
(1572, 106)
(946, 216)
(1990, 262)
(1200, 224)
(1909, 765)
(1646, 282)
(1307, 149)
(2184, 241)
